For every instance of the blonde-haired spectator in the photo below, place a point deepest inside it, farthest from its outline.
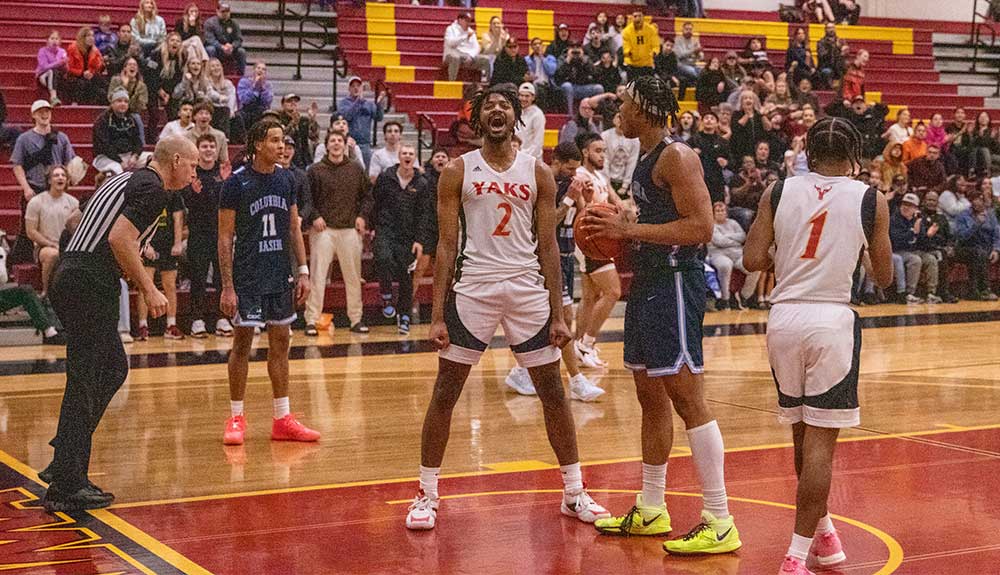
(148, 26)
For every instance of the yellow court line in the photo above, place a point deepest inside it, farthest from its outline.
(482, 473)
(895, 549)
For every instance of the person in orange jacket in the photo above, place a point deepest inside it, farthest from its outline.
(85, 78)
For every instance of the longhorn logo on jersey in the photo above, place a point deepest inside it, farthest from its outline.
(822, 191)
(521, 191)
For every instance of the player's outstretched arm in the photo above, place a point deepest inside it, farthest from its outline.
(227, 227)
(548, 250)
(880, 248)
(449, 201)
(756, 256)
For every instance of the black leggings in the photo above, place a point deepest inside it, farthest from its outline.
(392, 260)
(202, 252)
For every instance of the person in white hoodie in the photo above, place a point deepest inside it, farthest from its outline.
(461, 48)
(532, 131)
(725, 252)
(622, 155)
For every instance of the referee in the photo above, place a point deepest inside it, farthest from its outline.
(118, 220)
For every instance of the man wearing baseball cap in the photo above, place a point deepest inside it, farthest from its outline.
(304, 131)
(461, 48)
(116, 137)
(361, 115)
(223, 38)
(532, 130)
(905, 230)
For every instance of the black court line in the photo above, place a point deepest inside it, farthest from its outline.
(400, 347)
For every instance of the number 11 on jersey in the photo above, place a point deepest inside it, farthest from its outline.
(270, 230)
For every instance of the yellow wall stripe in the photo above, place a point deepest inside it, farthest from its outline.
(483, 16)
(400, 73)
(775, 32)
(541, 23)
(385, 58)
(448, 90)
(901, 38)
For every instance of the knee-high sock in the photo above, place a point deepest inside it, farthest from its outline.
(708, 452)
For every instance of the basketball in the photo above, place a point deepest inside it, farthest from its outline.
(596, 248)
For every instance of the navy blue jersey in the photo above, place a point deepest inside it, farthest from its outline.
(656, 206)
(263, 204)
(564, 228)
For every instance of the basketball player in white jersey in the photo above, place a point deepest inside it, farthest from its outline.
(498, 264)
(819, 224)
(601, 286)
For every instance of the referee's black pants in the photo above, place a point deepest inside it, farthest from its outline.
(202, 251)
(96, 366)
(392, 261)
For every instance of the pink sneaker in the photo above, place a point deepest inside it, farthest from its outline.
(794, 566)
(289, 429)
(236, 426)
(826, 550)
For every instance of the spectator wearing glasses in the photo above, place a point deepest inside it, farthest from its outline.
(509, 66)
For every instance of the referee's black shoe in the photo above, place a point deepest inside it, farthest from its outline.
(87, 497)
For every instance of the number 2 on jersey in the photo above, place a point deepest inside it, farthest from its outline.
(817, 224)
(502, 230)
(270, 230)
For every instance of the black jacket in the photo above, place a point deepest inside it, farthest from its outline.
(609, 77)
(707, 92)
(115, 135)
(711, 147)
(576, 72)
(402, 215)
(870, 124)
(507, 70)
(151, 71)
(745, 137)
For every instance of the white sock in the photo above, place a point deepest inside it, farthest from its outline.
(825, 525)
(236, 407)
(171, 320)
(572, 478)
(429, 481)
(588, 341)
(281, 408)
(143, 323)
(50, 332)
(654, 483)
(800, 546)
(708, 453)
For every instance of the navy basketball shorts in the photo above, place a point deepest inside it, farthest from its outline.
(592, 266)
(264, 310)
(815, 352)
(568, 264)
(663, 324)
(473, 311)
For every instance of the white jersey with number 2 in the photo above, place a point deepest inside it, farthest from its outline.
(818, 236)
(497, 238)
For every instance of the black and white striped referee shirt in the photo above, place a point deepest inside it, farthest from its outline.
(138, 196)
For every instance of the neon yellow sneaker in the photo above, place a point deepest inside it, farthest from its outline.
(710, 537)
(640, 520)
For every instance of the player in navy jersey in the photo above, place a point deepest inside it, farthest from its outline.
(663, 320)
(258, 204)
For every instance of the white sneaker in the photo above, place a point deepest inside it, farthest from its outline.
(520, 381)
(223, 328)
(583, 507)
(588, 356)
(198, 329)
(933, 298)
(423, 512)
(125, 336)
(913, 300)
(582, 389)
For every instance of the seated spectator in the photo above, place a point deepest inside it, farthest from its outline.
(494, 41)
(388, 156)
(668, 68)
(711, 88)
(776, 136)
(621, 156)
(901, 130)
(13, 296)
(461, 48)
(796, 163)
(820, 10)
(927, 173)
(762, 158)
(164, 71)
(978, 241)
(640, 43)
(798, 58)
(222, 94)
(980, 144)
(954, 201)
(725, 112)
(203, 126)
(542, 69)
(911, 263)
(130, 81)
(161, 254)
(7, 133)
(846, 11)
(183, 123)
(916, 146)
(804, 95)
(224, 40)
(117, 141)
(867, 119)
(575, 76)
(854, 80)
(118, 53)
(688, 50)
(596, 44)
(509, 66)
(936, 133)
(85, 80)
(338, 123)
(148, 27)
(45, 218)
(532, 127)
(733, 72)
(892, 163)
(607, 74)
(714, 154)
(191, 31)
(749, 85)
(558, 46)
(940, 244)
(745, 191)
(304, 130)
(255, 94)
(688, 126)
(194, 85)
(725, 253)
(753, 58)
(829, 58)
(748, 126)
(105, 37)
(585, 121)
(362, 114)
(51, 67)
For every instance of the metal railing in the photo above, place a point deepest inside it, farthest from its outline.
(422, 120)
(983, 23)
(378, 86)
(339, 71)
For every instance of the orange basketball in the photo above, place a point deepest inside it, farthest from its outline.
(596, 248)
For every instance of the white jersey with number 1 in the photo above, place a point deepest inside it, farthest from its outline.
(818, 237)
(497, 238)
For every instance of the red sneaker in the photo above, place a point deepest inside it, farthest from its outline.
(143, 333)
(826, 550)
(236, 426)
(173, 332)
(289, 429)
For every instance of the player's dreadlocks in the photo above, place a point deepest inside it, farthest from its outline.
(256, 134)
(834, 139)
(656, 100)
(507, 91)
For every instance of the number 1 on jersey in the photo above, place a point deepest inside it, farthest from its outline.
(502, 230)
(817, 224)
(270, 230)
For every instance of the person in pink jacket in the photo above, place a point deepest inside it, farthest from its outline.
(51, 66)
